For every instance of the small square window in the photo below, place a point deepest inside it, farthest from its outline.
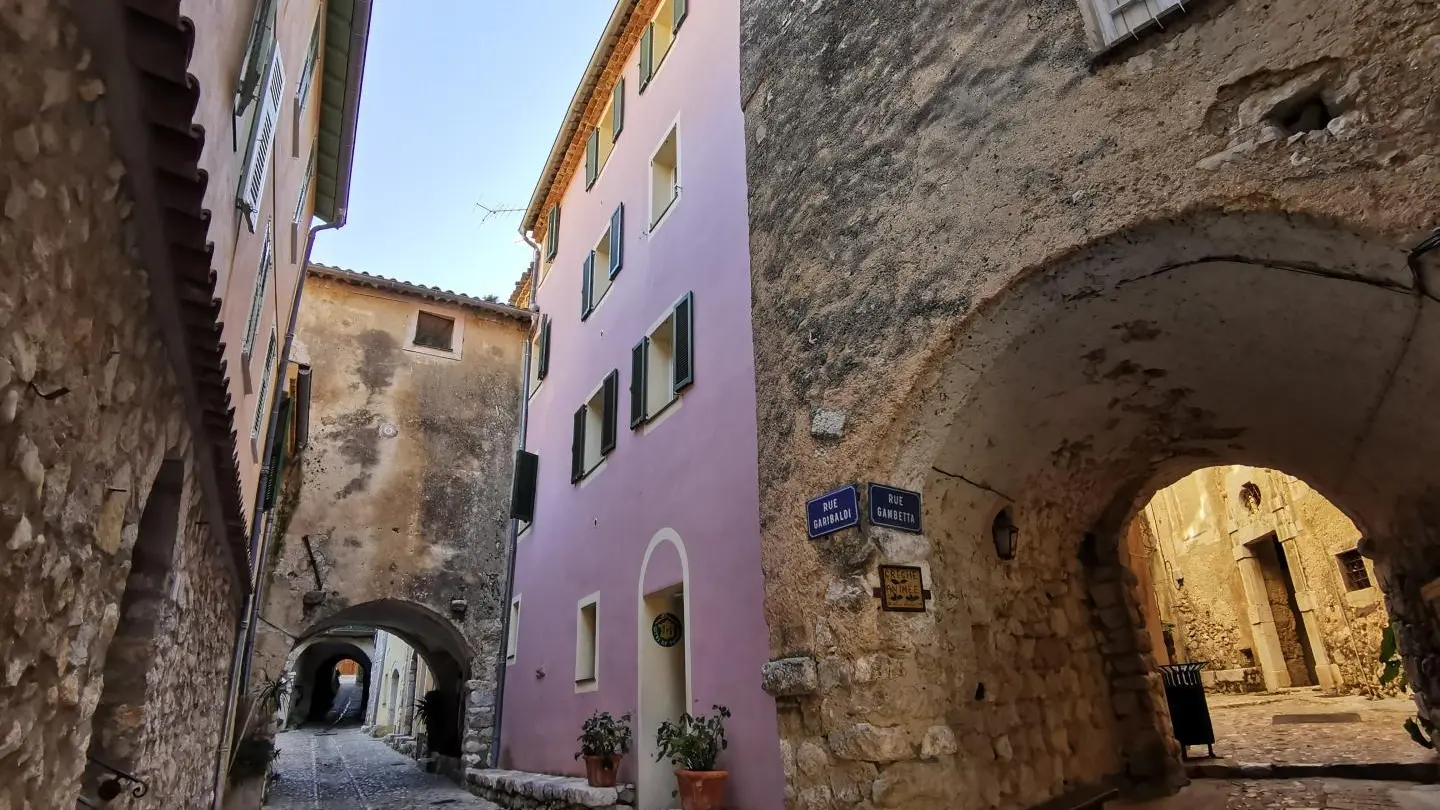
(587, 628)
(513, 636)
(1352, 569)
(434, 331)
(665, 177)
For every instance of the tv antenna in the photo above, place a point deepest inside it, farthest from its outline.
(491, 213)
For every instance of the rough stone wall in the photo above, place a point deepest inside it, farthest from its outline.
(404, 488)
(88, 411)
(1192, 521)
(907, 164)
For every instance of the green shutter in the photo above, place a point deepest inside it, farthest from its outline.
(587, 276)
(684, 342)
(638, 356)
(592, 157)
(552, 233)
(577, 447)
(647, 55)
(544, 358)
(275, 470)
(610, 395)
(617, 239)
(681, 9)
(617, 110)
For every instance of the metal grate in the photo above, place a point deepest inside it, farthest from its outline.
(1352, 568)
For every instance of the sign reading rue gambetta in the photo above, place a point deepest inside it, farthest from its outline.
(833, 511)
(895, 508)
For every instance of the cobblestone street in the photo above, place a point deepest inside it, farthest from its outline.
(350, 770)
(1358, 730)
(1300, 794)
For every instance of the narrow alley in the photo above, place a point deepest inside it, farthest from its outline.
(350, 770)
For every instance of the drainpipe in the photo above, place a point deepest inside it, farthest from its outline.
(245, 634)
(514, 524)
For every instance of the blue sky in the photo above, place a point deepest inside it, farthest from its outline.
(462, 100)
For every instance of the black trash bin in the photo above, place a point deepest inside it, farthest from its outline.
(1189, 711)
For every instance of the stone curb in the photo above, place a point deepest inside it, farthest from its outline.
(1422, 772)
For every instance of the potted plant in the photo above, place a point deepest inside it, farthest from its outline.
(694, 744)
(604, 741)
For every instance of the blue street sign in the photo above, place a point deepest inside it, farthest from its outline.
(833, 511)
(895, 508)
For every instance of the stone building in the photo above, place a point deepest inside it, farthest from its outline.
(400, 679)
(393, 512)
(1258, 575)
(1039, 261)
(140, 169)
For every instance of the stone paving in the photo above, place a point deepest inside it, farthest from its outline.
(1299, 794)
(1246, 731)
(350, 770)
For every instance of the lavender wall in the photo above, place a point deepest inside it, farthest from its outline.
(693, 472)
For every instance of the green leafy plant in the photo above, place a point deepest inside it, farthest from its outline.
(604, 735)
(1392, 667)
(695, 742)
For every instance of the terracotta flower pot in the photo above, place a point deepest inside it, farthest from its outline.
(701, 790)
(601, 771)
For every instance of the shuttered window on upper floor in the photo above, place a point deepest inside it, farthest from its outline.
(659, 36)
(662, 364)
(257, 299)
(1118, 19)
(595, 428)
(262, 142)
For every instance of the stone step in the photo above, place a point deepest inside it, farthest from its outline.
(1423, 772)
(521, 790)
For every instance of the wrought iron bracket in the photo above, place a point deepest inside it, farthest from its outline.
(115, 784)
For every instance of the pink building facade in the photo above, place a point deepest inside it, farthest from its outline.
(638, 585)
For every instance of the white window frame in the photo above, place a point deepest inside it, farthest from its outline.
(512, 635)
(307, 80)
(592, 682)
(257, 305)
(253, 180)
(1115, 20)
(457, 334)
(297, 225)
(654, 222)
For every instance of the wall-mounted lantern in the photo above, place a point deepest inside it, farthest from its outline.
(1005, 534)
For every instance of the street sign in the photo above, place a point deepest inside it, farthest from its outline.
(895, 508)
(833, 511)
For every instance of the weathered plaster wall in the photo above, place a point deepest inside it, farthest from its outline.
(88, 411)
(1196, 522)
(404, 487)
(1030, 280)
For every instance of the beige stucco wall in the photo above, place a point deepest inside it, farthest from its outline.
(403, 491)
(222, 31)
(1196, 523)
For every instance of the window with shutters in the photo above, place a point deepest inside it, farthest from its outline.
(256, 173)
(595, 428)
(603, 264)
(662, 364)
(665, 177)
(1118, 19)
(260, 399)
(605, 134)
(659, 36)
(540, 354)
(587, 647)
(307, 72)
(297, 224)
(257, 300)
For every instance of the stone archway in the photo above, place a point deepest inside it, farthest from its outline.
(1069, 398)
(445, 651)
(312, 665)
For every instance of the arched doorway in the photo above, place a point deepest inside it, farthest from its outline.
(1069, 399)
(331, 681)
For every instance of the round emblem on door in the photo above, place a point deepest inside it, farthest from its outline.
(666, 629)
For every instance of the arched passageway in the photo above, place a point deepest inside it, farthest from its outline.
(1074, 395)
(331, 683)
(438, 643)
